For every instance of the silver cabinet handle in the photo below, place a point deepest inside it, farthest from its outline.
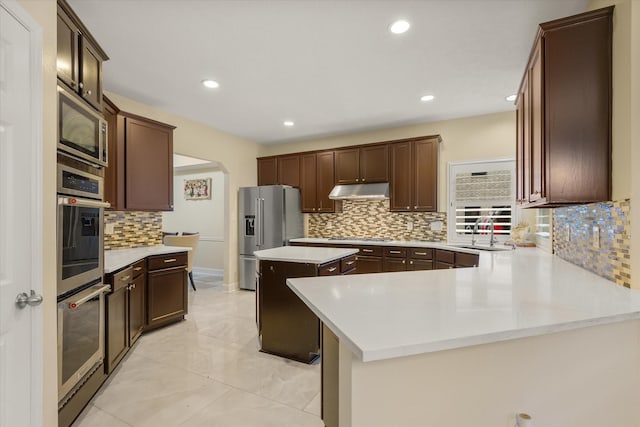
(420, 253)
(80, 85)
(411, 262)
(125, 278)
(332, 269)
(367, 250)
(394, 252)
(137, 269)
(170, 260)
(408, 207)
(23, 300)
(350, 262)
(403, 261)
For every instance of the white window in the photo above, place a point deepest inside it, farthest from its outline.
(481, 197)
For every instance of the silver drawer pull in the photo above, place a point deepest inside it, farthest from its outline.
(394, 252)
(367, 250)
(170, 260)
(125, 278)
(137, 269)
(332, 269)
(420, 253)
(403, 261)
(350, 262)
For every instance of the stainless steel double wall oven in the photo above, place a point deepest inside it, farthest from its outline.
(80, 249)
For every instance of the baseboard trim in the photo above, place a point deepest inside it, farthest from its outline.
(209, 271)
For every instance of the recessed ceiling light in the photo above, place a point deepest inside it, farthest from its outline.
(288, 123)
(511, 98)
(211, 84)
(427, 98)
(399, 27)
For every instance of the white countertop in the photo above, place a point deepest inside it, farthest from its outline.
(115, 259)
(511, 294)
(403, 243)
(304, 254)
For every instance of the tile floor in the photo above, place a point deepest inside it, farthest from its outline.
(207, 371)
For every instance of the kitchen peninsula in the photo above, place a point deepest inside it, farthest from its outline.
(286, 326)
(523, 332)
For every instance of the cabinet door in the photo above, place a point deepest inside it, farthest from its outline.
(289, 170)
(401, 182)
(136, 308)
(526, 140)
(114, 172)
(90, 74)
(425, 175)
(166, 295)
(149, 165)
(325, 181)
(537, 115)
(369, 264)
(394, 264)
(67, 57)
(374, 164)
(347, 166)
(117, 340)
(519, 151)
(308, 183)
(443, 265)
(267, 171)
(420, 264)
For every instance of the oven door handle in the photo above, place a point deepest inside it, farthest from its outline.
(87, 295)
(73, 201)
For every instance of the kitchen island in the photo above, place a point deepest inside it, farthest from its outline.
(523, 332)
(286, 326)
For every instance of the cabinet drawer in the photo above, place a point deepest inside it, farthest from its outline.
(447, 257)
(370, 250)
(121, 279)
(395, 252)
(139, 268)
(466, 260)
(347, 263)
(159, 262)
(420, 264)
(330, 269)
(420, 253)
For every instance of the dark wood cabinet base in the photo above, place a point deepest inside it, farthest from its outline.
(74, 406)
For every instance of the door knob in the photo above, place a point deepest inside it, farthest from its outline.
(22, 300)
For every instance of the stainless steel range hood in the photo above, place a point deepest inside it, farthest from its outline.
(378, 191)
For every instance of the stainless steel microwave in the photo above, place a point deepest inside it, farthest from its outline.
(82, 131)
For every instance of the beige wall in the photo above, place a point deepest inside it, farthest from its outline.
(203, 216)
(44, 12)
(469, 138)
(236, 155)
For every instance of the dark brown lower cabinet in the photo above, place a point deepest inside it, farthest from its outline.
(394, 264)
(136, 308)
(117, 341)
(166, 295)
(420, 264)
(287, 327)
(369, 264)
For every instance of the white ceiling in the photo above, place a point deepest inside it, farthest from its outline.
(330, 66)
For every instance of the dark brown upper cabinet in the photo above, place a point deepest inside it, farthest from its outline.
(279, 170)
(316, 182)
(140, 172)
(267, 171)
(564, 113)
(414, 175)
(289, 170)
(80, 57)
(362, 164)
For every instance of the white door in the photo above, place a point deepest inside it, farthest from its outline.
(20, 230)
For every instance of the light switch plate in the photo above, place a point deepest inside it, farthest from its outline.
(436, 226)
(329, 224)
(595, 238)
(567, 231)
(109, 229)
(410, 226)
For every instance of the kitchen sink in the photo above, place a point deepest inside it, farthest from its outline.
(485, 247)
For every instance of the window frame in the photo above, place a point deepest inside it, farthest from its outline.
(478, 166)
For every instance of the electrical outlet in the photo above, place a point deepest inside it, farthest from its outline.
(595, 237)
(329, 224)
(567, 231)
(109, 228)
(410, 226)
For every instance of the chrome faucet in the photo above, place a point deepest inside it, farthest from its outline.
(492, 239)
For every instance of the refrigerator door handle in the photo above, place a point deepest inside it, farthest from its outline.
(261, 206)
(258, 227)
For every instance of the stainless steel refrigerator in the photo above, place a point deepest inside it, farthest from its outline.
(269, 216)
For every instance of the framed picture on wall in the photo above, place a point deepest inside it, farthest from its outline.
(197, 189)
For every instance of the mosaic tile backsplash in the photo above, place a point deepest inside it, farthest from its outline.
(573, 238)
(133, 229)
(371, 218)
